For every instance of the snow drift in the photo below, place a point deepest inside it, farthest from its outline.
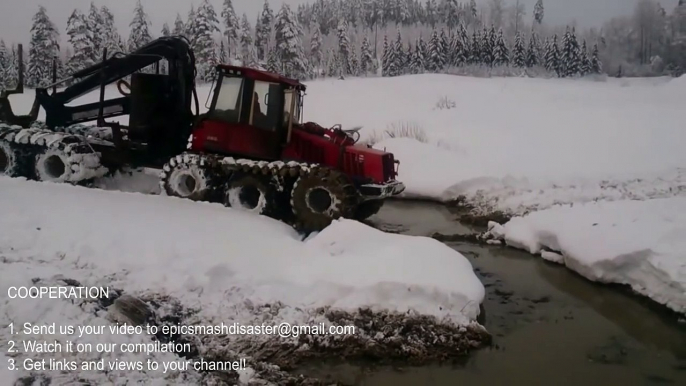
(641, 244)
(216, 260)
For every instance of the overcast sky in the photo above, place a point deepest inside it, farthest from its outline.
(15, 15)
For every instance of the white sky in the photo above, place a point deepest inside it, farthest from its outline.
(15, 15)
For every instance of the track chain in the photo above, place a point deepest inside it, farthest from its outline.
(286, 174)
(82, 159)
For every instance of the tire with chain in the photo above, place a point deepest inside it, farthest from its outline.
(320, 196)
(251, 192)
(15, 160)
(186, 176)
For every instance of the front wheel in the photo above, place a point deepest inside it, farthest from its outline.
(320, 197)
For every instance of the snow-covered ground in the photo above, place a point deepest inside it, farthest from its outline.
(225, 263)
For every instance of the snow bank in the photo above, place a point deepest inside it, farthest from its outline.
(638, 243)
(222, 262)
(209, 248)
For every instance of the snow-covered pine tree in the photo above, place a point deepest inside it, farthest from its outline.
(247, 48)
(452, 14)
(231, 25)
(584, 61)
(501, 54)
(570, 54)
(4, 65)
(179, 27)
(430, 13)
(417, 63)
(96, 29)
(366, 58)
(264, 34)
(43, 48)
(435, 60)
(538, 12)
(273, 61)
(475, 53)
(140, 28)
(80, 40)
(316, 55)
(223, 58)
(486, 47)
(531, 52)
(445, 47)
(190, 27)
(332, 67)
(596, 65)
(464, 42)
(288, 45)
(13, 76)
(518, 52)
(399, 56)
(354, 63)
(386, 56)
(165, 30)
(111, 38)
(458, 54)
(343, 48)
(552, 56)
(205, 47)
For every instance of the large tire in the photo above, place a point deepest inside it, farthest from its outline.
(321, 196)
(251, 193)
(52, 165)
(15, 160)
(367, 209)
(189, 180)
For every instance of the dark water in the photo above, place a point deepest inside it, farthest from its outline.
(550, 326)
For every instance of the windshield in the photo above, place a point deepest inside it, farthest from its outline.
(229, 103)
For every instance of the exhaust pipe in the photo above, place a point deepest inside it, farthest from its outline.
(6, 113)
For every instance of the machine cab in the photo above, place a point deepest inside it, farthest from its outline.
(251, 114)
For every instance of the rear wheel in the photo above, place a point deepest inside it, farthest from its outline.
(251, 193)
(320, 197)
(188, 180)
(52, 165)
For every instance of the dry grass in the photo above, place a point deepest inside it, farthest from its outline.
(399, 130)
(445, 103)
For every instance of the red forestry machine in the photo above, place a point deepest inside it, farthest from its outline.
(250, 150)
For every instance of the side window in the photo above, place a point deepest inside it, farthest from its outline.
(229, 102)
(290, 95)
(266, 103)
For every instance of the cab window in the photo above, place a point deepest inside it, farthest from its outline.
(229, 101)
(289, 95)
(266, 105)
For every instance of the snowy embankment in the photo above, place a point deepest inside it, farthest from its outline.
(638, 243)
(226, 265)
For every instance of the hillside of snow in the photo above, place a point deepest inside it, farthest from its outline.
(229, 265)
